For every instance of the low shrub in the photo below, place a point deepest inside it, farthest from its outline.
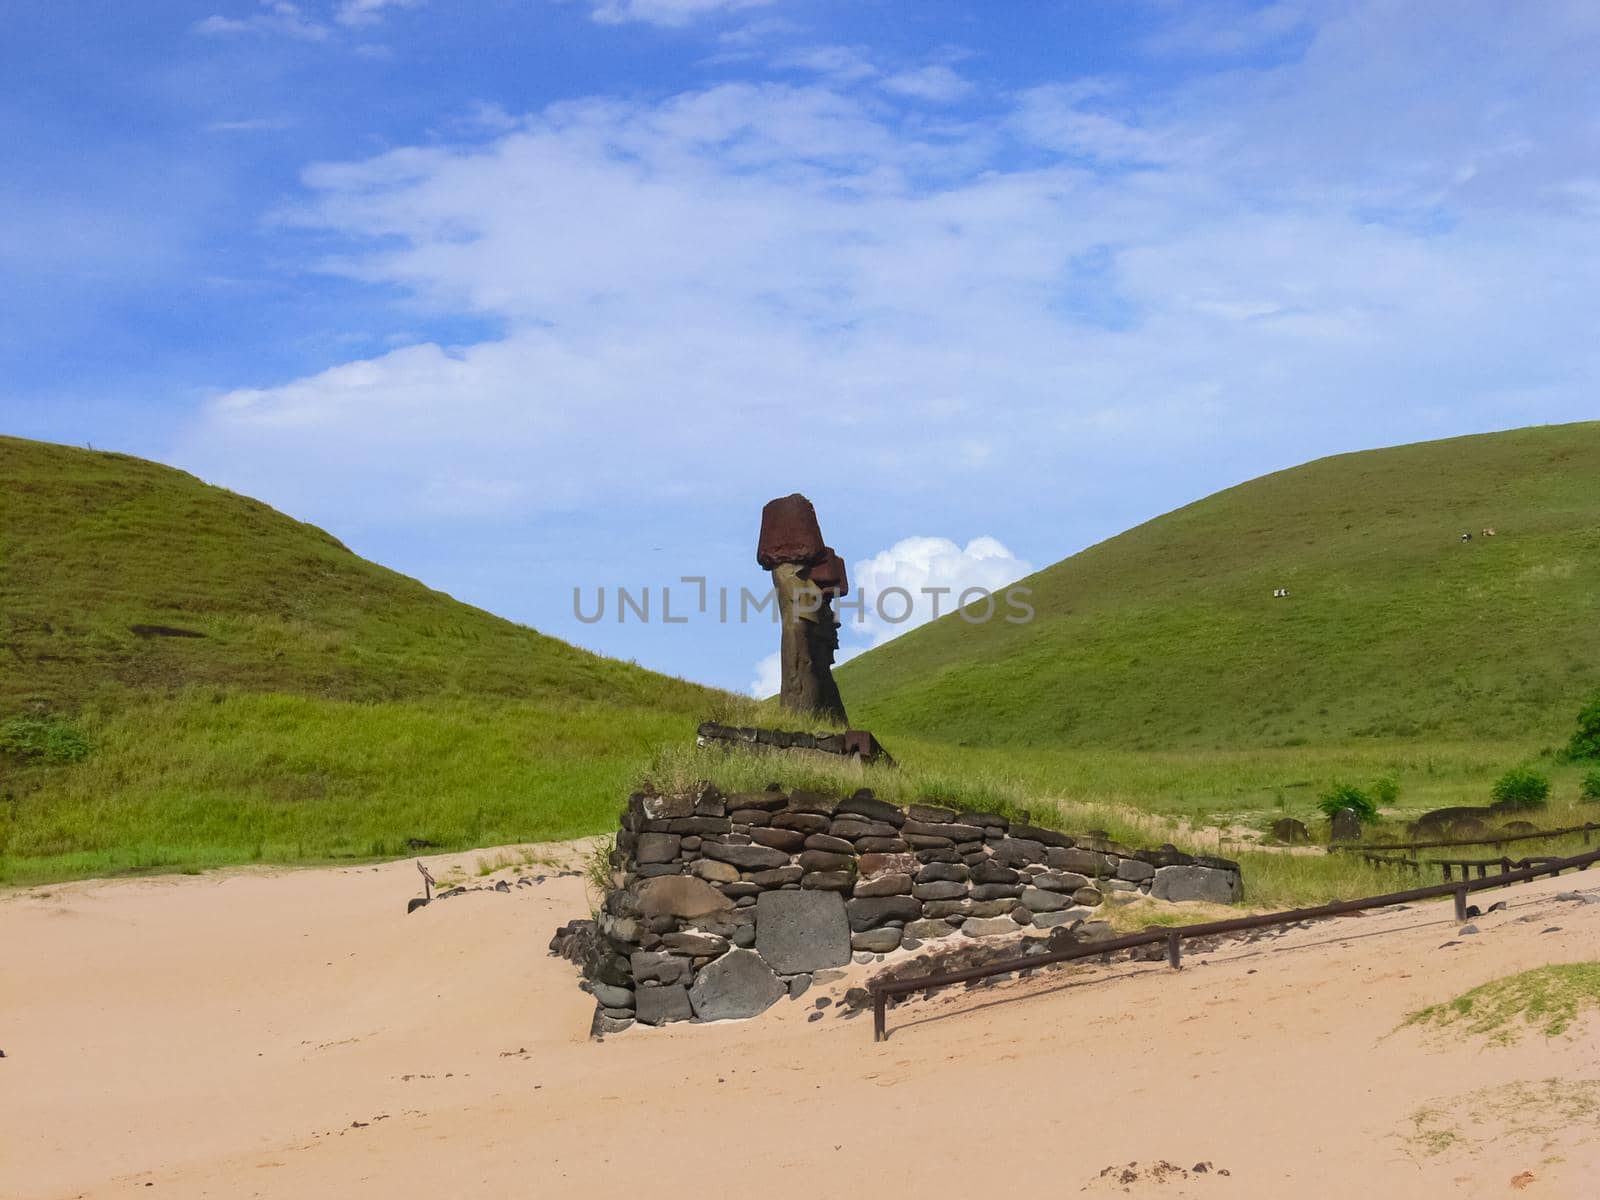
(1386, 790)
(1342, 796)
(1589, 789)
(1585, 743)
(43, 739)
(1521, 787)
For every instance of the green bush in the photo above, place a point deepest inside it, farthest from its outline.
(1521, 787)
(1589, 789)
(1386, 790)
(1585, 743)
(46, 739)
(1343, 796)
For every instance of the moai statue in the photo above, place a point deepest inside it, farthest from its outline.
(807, 575)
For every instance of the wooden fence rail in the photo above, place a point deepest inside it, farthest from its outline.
(1488, 839)
(881, 989)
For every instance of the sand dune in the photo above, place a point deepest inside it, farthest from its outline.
(296, 1034)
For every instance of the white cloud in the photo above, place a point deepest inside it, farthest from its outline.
(275, 17)
(249, 125)
(934, 573)
(1040, 314)
(920, 567)
(287, 19)
(368, 12)
(935, 84)
(665, 12)
(842, 63)
(1229, 28)
(760, 30)
(769, 677)
(1082, 120)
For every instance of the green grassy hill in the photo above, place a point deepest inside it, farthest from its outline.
(327, 706)
(1168, 636)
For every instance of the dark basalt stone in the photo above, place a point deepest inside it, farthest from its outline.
(693, 945)
(858, 827)
(987, 820)
(765, 801)
(828, 881)
(700, 826)
(802, 822)
(656, 966)
(830, 844)
(1048, 837)
(1013, 850)
(748, 858)
(1085, 862)
(871, 912)
(996, 891)
(990, 871)
(738, 985)
(823, 860)
(663, 1005)
(1166, 855)
(813, 802)
(950, 831)
(884, 845)
(656, 848)
(871, 809)
(777, 877)
(790, 841)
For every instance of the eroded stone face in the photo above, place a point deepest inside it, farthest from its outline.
(807, 576)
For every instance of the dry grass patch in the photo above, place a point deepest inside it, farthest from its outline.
(1524, 1110)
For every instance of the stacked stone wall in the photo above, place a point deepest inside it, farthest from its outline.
(722, 904)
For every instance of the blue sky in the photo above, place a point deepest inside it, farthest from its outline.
(522, 296)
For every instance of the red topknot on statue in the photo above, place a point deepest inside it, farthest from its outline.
(789, 533)
(807, 575)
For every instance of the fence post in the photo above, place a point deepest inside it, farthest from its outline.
(878, 1002)
(1461, 903)
(1174, 949)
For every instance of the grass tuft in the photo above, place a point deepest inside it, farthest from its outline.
(1545, 1000)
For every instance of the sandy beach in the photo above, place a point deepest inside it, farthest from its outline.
(297, 1034)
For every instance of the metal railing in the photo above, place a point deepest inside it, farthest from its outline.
(881, 989)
